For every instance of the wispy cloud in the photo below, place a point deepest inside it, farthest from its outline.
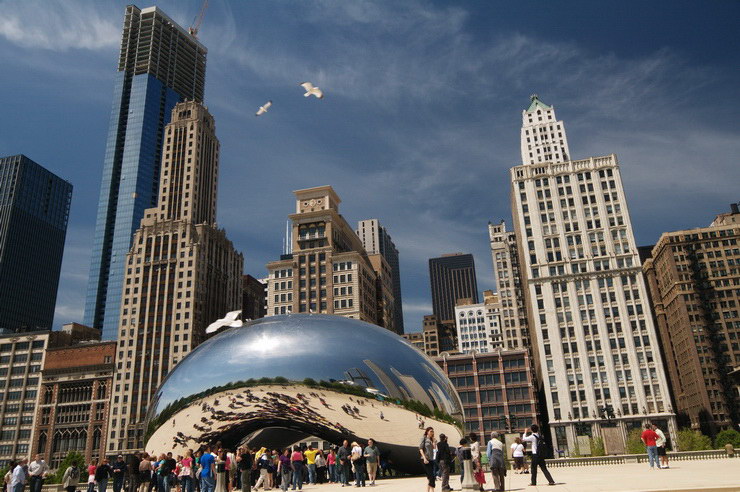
(58, 26)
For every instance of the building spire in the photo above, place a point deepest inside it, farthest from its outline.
(543, 137)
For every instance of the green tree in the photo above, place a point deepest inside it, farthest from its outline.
(691, 440)
(729, 436)
(73, 457)
(597, 447)
(634, 442)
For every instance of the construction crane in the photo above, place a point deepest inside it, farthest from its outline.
(198, 20)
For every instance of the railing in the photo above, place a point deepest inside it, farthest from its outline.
(640, 458)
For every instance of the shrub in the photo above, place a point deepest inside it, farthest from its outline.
(597, 447)
(691, 440)
(729, 436)
(634, 443)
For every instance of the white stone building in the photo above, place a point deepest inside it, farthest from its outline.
(479, 325)
(590, 321)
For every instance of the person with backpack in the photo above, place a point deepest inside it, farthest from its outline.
(71, 478)
(539, 453)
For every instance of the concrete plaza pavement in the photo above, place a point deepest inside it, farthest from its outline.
(721, 475)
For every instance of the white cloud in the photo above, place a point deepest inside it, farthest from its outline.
(59, 26)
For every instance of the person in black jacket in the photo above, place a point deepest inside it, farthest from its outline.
(444, 458)
(119, 469)
(102, 473)
(345, 466)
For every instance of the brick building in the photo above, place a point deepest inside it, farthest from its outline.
(497, 390)
(72, 410)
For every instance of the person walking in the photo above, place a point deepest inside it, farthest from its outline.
(186, 472)
(71, 478)
(296, 466)
(263, 465)
(222, 475)
(372, 456)
(9, 476)
(660, 444)
(310, 455)
(119, 469)
(331, 464)
(284, 469)
(244, 464)
(649, 438)
(102, 474)
(495, 453)
(343, 455)
(539, 452)
(37, 471)
(517, 452)
(426, 450)
(91, 475)
(444, 458)
(18, 478)
(475, 455)
(320, 467)
(208, 471)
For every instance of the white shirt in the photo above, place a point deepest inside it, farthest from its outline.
(19, 476)
(661, 438)
(533, 439)
(517, 450)
(37, 468)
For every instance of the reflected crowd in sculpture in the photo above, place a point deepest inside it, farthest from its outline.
(277, 380)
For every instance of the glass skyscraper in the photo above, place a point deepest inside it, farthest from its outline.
(160, 65)
(452, 277)
(34, 208)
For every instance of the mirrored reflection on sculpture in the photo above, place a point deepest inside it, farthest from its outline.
(277, 380)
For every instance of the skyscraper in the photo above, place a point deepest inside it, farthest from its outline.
(181, 273)
(590, 325)
(693, 277)
(376, 240)
(452, 277)
(505, 255)
(479, 325)
(160, 64)
(34, 208)
(329, 270)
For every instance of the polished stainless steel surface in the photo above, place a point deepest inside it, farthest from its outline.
(322, 375)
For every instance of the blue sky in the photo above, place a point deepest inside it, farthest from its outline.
(420, 123)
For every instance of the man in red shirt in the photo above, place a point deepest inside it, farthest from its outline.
(649, 437)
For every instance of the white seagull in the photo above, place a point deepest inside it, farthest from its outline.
(311, 90)
(263, 109)
(231, 319)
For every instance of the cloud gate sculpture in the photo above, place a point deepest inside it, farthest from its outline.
(280, 379)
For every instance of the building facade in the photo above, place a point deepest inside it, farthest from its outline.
(34, 209)
(508, 278)
(329, 270)
(160, 64)
(479, 325)
(452, 277)
(497, 390)
(694, 280)
(22, 357)
(181, 274)
(72, 410)
(591, 325)
(254, 298)
(376, 240)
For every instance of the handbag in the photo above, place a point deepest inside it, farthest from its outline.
(480, 476)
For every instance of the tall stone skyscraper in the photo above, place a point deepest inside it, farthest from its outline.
(34, 208)
(511, 291)
(160, 64)
(329, 270)
(181, 273)
(452, 277)
(590, 325)
(376, 240)
(693, 277)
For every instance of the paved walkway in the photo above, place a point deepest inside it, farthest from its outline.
(684, 476)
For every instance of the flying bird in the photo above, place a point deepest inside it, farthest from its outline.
(311, 90)
(231, 319)
(263, 109)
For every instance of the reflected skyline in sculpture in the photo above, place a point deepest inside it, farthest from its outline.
(322, 375)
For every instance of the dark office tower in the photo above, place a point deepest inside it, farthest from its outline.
(34, 207)
(452, 277)
(160, 65)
